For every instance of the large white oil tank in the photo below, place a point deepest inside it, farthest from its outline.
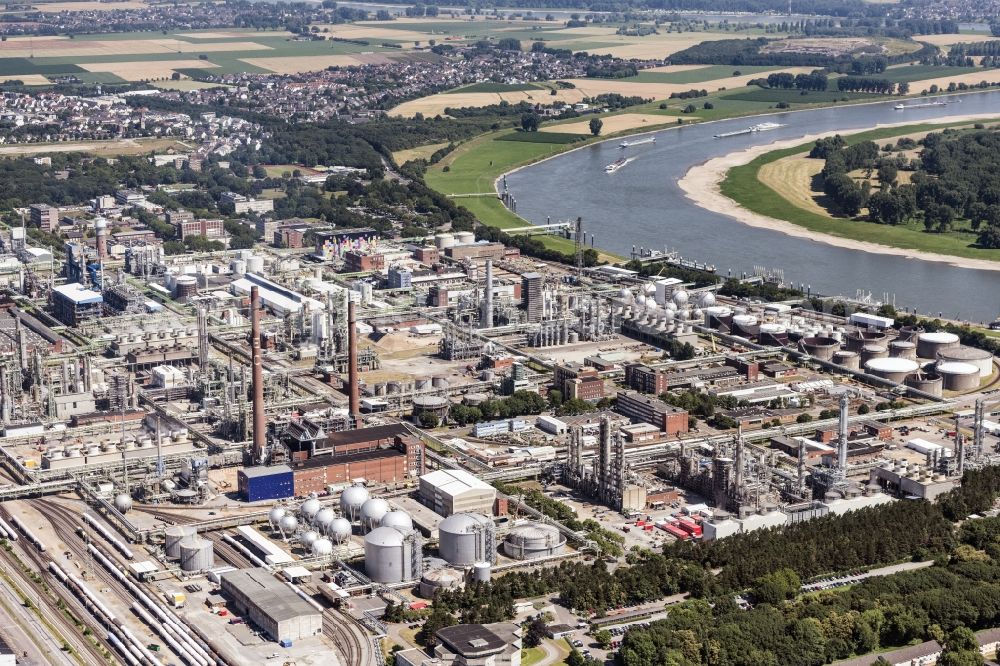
(467, 538)
(392, 556)
(532, 540)
(980, 358)
(482, 571)
(957, 376)
(351, 501)
(372, 512)
(196, 554)
(929, 344)
(174, 535)
(255, 265)
(465, 238)
(339, 530)
(440, 579)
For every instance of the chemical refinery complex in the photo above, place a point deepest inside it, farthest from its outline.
(248, 456)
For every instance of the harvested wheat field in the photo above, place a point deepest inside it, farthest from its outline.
(650, 47)
(670, 69)
(146, 69)
(229, 35)
(436, 104)
(612, 124)
(61, 48)
(54, 7)
(295, 64)
(27, 79)
(948, 40)
(591, 87)
(113, 147)
(791, 177)
(419, 153)
(989, 75)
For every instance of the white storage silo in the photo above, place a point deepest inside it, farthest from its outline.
(196, 554)
(392, 556)
(467, 538)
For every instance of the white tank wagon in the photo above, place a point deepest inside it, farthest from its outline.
(532, 540)
(392, 556)
(108, 536)
(351, 501)
(467, 538)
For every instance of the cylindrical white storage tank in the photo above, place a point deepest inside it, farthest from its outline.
(444, 241)
(930, 344)
(392, 556)
(873, 351)
(440, 579)
(980, 358)
(196, 554)
(465, 238)
(255, 265)
(532, 540)
(351, 501)
(123, 503)
(958, 376)
(398, 519)
(372, 512)
(926, 382)
(238, 266)
(893, 369)
(482, 571)
(847, 359)
(174, 535)
(467, 538)
(339, 530)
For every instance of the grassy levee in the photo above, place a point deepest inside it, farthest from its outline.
(743, 186)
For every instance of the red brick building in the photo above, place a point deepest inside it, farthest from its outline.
(672, 420)
(645, 379)
(360, 262)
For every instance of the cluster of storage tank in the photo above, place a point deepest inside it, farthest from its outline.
(183, 543)
(316, 527)
(397, 387)
(444, 241)
(131, 442)
(659, 306)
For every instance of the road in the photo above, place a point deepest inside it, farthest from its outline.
(26, 635)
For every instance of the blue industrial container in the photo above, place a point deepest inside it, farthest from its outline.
(285, 643)
(266, 483)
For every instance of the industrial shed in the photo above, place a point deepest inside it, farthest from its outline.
(449, 491)
(271, 605)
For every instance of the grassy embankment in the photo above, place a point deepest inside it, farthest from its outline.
(743, 185)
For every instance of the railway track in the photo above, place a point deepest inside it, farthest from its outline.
(84, 652)
(338, 628)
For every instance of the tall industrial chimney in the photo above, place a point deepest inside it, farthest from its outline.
(101, 227)
(259, 418)
(352, 365)
(845, 402)
(488, 313)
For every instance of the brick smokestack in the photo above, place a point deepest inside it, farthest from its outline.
(257, 361)
(352, 365)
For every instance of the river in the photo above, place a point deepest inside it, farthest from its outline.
(641, 205)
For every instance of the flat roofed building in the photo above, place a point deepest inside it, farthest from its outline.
(672, 420)
(449, 491)
(271, 605)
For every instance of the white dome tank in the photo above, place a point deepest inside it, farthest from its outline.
(322, 547)
(706, 300)
(372, 512)
(323, 518)
(339, 530)
(680, 298)
(398, 519)
(310, 508)
(351, 500)
(275, 516)
(123, 503)
(308, 538)
(288, 524)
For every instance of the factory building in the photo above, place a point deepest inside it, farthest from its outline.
(481, 250)
(73, 304)
(645, 379)
(497, 644)
(449, 491)
(265, 483)
(531, 293)
(638, 407)
(44, 217)
(271, 605)
(242, 204)
(576, 380)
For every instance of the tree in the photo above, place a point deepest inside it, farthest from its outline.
(535, 632)
(603, 638)
(803, 418)
(887, 173)
(961, 649)
(439, 618)
(509, 44)
(776, 587)
(595, 126)
(429, 419)
(530, 122)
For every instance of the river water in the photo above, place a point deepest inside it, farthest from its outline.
(641, 205)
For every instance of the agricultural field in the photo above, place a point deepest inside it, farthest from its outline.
(103, 148)
(151, 56)
(613, 124)
(972, 78)
(490, 87)
(945, 41)
(419, 153)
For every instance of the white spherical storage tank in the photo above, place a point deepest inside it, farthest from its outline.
(392, 556)
(398, 519)
(339, 530)
(275, 516)
(958, 376)
(893, 369)
(532, 540)
(467, 538)
(351, 501)
(323, 518)
(309, 509)
(123, 503)
(372, 512)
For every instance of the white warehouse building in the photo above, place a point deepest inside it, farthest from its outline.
(449, 491)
